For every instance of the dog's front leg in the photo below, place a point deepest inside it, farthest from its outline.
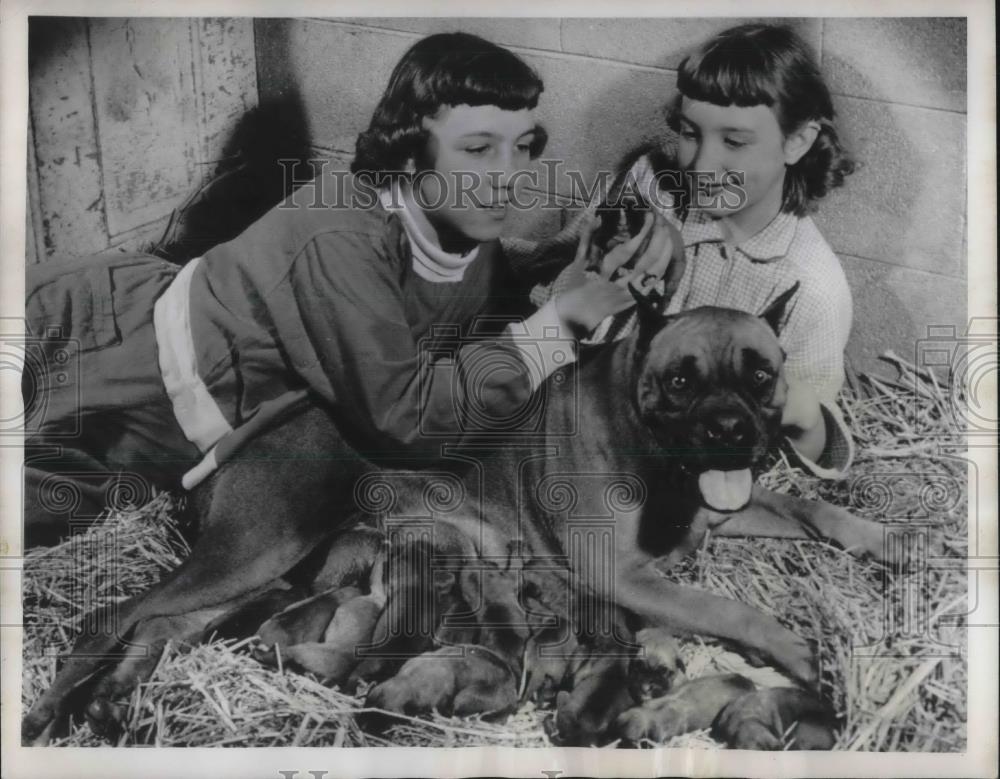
(641, 589)
(773, 515)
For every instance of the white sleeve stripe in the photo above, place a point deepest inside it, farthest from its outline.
(197, 413)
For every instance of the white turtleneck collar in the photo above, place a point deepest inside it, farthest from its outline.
(430, 261)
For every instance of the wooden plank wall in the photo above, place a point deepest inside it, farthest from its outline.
(128, 117)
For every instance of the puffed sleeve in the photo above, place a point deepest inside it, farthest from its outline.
(814, 339)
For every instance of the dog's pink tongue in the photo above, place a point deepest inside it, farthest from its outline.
(726, 490)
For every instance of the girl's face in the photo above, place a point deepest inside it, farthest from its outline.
(719, 144)
(467, 180)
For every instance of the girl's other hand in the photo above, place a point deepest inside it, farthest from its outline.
(583, 307)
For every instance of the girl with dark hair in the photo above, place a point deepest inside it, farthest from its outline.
(768, 66)
(163, 374)
(756, 148)
(448, 69)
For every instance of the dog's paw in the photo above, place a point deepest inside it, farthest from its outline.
(96, 683)
(761, 719)
(868, 540)
(106, 717)
(796, 655)
(38, 725)
(636, 726)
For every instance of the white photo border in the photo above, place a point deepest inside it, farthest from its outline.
(981, 757)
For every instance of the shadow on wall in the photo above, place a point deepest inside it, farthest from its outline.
(267, 141)
(48, 36)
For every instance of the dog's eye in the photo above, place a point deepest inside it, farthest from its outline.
(761, 377)
(678, 382)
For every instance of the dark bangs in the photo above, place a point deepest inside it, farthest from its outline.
(757, 64)
(446, 69)
(729, 72)
(458, 68)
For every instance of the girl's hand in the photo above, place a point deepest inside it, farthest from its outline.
(587, 301)
(562, 247)
(583, 307)
(575, 274)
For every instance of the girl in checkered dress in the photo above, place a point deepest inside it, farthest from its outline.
(756, 148)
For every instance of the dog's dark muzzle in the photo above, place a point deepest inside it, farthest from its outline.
(731, 431)
(726, 437)
(723, 442)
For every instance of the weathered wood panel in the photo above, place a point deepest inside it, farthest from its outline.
(129, 117)
(226, 69)
(146, 104)
(66, 151)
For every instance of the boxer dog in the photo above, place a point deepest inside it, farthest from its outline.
(644, 445)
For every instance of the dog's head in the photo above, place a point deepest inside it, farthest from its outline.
(710, 386)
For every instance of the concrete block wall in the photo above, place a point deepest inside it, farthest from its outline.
(899, 89)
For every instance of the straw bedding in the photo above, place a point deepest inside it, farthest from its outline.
(892, 645)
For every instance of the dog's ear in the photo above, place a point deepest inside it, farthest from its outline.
(650, 305)
(774, 314)
(651, 318)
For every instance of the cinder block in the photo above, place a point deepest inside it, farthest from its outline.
(893, 306)
(660, 42)
(919, 61)
(536, 33)
(595, 113)
(338, 73)
(906, 203)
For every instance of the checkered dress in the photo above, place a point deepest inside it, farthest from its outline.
(748, 277)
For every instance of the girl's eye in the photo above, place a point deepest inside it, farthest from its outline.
(761, 377)
(678, 382)
(477, 149)
(524, 148)
(732, 143)
(688, 135)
